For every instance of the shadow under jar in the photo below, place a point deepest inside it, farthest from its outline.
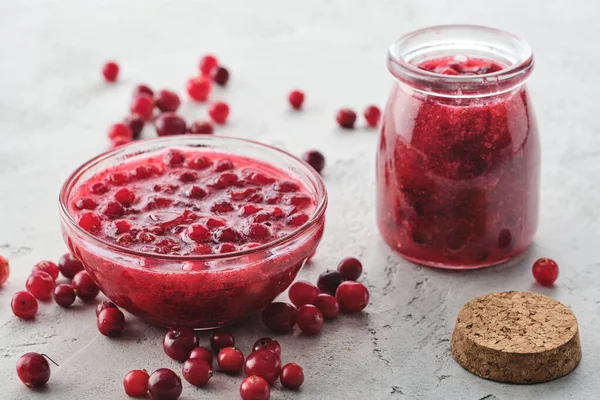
(458, 159)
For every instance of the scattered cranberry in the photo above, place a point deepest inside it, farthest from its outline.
(201, 128)
(329, 281)
(279, 317)
(309, 319)
(196, 371)
(545, 271)
(346, 118)
(255, 388)
(169, 123)
(221, 339)
(64, 295)
(372, 115)
(296, 98)
(103, 305)
(315, 159)
(352, 296)
(4, 270)
(179, 342)
(135, 383)
(230, 360)
(199, 88)
(303, 292)
(69, 265)
(292, 376)
(263, 363)
(167, 100)
(350, 269)
(33, 370)
(143, 105)
(40, 284)
(328, 305)
(219, 111)
(110, 71)
(136, 124)
(220, 75)
(269, 344)
(46, 266)
(24, 305)
(164, 384)
(207, 64)
(202, 353)
(142, 89)
(120, 131)
(111, 322)
(89, 221)
(84, 286)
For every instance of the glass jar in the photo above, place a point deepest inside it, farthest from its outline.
(458, 159)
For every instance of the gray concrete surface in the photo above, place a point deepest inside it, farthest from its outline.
(55, 110)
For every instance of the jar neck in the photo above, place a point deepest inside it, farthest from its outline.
(409, 51)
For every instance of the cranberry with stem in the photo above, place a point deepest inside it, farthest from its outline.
(372, 115)
(303, 292)
(219, 111)
(221, 339)
(328, 305)
(292, 376)
(64, 295)
(4, 270)
(346, 118)
(84, 286)
(167, 100)
(279, 317)
(196, 371)
(110, 71)
(135, 383)
(179, 342)
(24, 305)
(111, 322)
(202, 353)
(198, 88)
(201, 128)
(69, 265)
(207, 64)
(40, 284)
(33, 369)
(329, 281)
(168, 124)
(220, 75)
(269, 344)
(352, 296)
(164, 384)
(315, 159)
(255, 388)
(46, 266)
(230, 360)
(545, 271)
(263, 363)
(309, 319)
(296, 99)
(142, 105)
(350, 268)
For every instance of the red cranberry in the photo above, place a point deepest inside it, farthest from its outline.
(227, 235)
(84, 286)
(4, 270)
(199, 88)
(279, 317)
(167, 100)
(255, 388)
(346, 118)
(315, 159)
(196, 192)
(257, 232)
(40, 284)
(69, 265)
(169, 123)
(164, 384)
(136, 124)
(207, 64)
(136, 383)
(329, 306)
(179, 342)
(226, 248)
(120, 131)
(352, 296)
(287, 187)
(221, 339)
(263, 363)
(86, 203)
(220, 75)
(230, 360)
(198, 232)
(545, 271)
(24, 305)
(142, 89)
(269, 344)
(112, 209)
(202, 353)
(89, 221)
(292, 376)
(142, 105)
(33, 370)
(201, 128)
(219, 111)
(99, 188)
(309, 319)
(296, 98)
(47, 266)
(111, 322)
(196, 371)
(297, 219)
(103, 305)
(350, 269)
(303, 292)
(372, 115)
(173, 158)
(110, 71)
(118, 178)
(213, 223)
(64, 295)
(125, 196)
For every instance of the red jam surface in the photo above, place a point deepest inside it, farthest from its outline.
(458, 179)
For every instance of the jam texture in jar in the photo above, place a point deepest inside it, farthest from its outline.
(458, 158)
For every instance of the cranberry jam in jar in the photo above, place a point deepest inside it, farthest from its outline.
(458, 159)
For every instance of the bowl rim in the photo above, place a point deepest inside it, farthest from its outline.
(63, 199)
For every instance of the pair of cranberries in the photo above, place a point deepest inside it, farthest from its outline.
(346, 117)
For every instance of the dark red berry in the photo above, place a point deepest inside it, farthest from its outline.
(136, 124)
(230, 360)
(196, 371)
(328, 305)
(201, 128)
(111, 322)
(255, 388)
(350, 268)
(167, 100)
(309, 319)
(135, 383)
(329, 281)
(279, 317)
(346, 118)
(545, 271)
(199, 88)
(219, 111)
(69, 265)
(40, 284)
(292, 376)
(24, 305)
(33, 370)
(64, 295)
(315, 159)
(164, 384)
(85, 203)
(372, 115)
(202, 353)
(142, 105)
(207, 64)
(303, 292)
(103, 305)
(47, 266)
(84, 286)
(110, 70)
(221, 339)
(220, 75)
(352, 296)
(296, 98)
(173, 158)
(169, 123)
(263, 363)
(179, 342)
(269, 344)
(142, 89)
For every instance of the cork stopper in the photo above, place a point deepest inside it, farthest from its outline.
(517, 337)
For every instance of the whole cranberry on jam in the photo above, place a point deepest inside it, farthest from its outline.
(169, 123)
(110, 71)
(545, 271)
(346, 118)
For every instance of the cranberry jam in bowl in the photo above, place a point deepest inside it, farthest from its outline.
(193, 231)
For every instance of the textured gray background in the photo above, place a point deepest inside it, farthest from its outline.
(55, 110)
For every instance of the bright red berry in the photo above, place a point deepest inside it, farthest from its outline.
(143, 105)
(202, 353)
(167, 100)
(230, 360)
(292, 376)
(90, 221)
(110, 70)
(196, 371)
(255, 388)
(135, 383)
(220, 75)
(46, 266)
(372, 115)
(352, 296)
(309, 319)
(84, 286)
(24, 305)
(141, 88)
(346, 118)
(64, 295)
(136, 124)
(207, 64)
(40, 284)
(269, 344)
(169, 123)
(263, 363)
(279, 317)
(120, 131)
(219, 111)
(329, 281)
(111, 322)
(199, 88)
(545, 271)
(303, 292)
(179, 342)
(329, 306)
(201, 128)
(221, 339)
(315, 159)
(4, 270)
(69, 265)
(164, 384)
(350, 268)
(198, 232)
(33, 370)
(296, 98)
